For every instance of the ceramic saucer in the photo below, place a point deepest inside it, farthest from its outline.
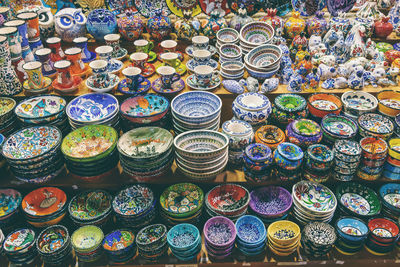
(74, 86)
(149, 71)
(191, 64)
(84, 73)
(181, 57)
(114, 78)
(152, 56)
(122, 54)
(141, 90)
(46, 86)
(189, 50)
(191, 82)
(92, 57)
(181, 69)
(176, 87)
(115, 66)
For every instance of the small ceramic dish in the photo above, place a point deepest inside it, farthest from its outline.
(87, 239)
(90, 205)
(227, 35)
(145, 109)
(347, 150)
(319, 157)
(120, 244)
(389, 103)
(142, 197)
(53, 240)
(283, 232)
(338, 127)
(19, 241)
(376, 125)
(322, 104)
(250, 230)
(383, 230)
(320, 235)
(271, 201)
(262, 75)
(228, 199)
(229, 51)
(183, 237)
(44, 201)
(113, 83)
(357, 102)
(220, 232)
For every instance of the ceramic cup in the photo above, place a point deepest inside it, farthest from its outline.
(168, 46)
(54, 43)
(200, 42)
(32, 21)
(139, 59)
(133, 77)
(168, 76)
(13, 41)
(204, 74)
(5, 14)
(74, 54)
(43, 54)
(113, 41)
(35, 76)
(105, 52)
(64, 78)
(143, 45)
(100, 76)
(202, 56)
(171, 59)
(81, 42)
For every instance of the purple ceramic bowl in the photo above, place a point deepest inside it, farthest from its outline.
(219, 232)
(215, 251)
(271, 201)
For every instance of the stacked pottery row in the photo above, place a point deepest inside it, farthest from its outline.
(197, 110)
(347, 159)
(87, 243)
(313, 202)
(227, 36)
(19, 246)
(146, 153)
(90, 151)
(318, 163)
(263, 62)
(351, 235)
(376, 125)
(8, 120)
(337, 127)
(392, 165)
(184, 241)
(270, 203)
(251, 235)
(253, 108)
(283, 237)
(151, 242)
(201, 154)
(257, 161)
(288, 159)
(382, 237)
(287, 108)
(231, 70)
(374, 153)
(230, 53)
(397, 126)
(120, 246)
(388, 194)
(2, 159)
(318, 238)
(33, 154)
(220, 234)
(11, 200)
(255, 34)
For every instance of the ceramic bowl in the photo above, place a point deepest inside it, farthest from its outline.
(152, 237)
(389, 193)
(319, 236)
(145, 109)
(304, 132)
(19, 241)
(383, 230)
(374, 124)
(347, 151)
(90, 205)
(262, 75)
(141, 195)
(120, 245)
(389, 103)
(232, 67)
(270, 135)
(250, 230)
(271, 201)
(230, 51)
(220, 232)
(357, 102)
(228, 199)
(283, 232)
(338, 127)
(374, 148)
(263, 58)
(183, 237)
(256, 33)
(351, 229)
(53, 240)
(394, 148)
(7, 106)
(253, 108)
(34, 203)
(290, 102)
(87, 238)
(319, 157)
(227, 35)
(258, 154)
(288, 156)
(322, 104)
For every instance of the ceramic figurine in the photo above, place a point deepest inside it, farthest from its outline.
(240, 19)
(70, 23)
(213, 24)
(252, 84)
(286, 62)
(233, 86)
(340, 22)
(269, 85)
(354, 42)
(369, 79)
(368, 24)
(276, 22)
(299, 41)
(295, 83)
(300, 55)
(328, 84)
(340, 83)
(325, 72)
(187, 27)
(46, 22)
(394, 17)
(285, 74)
(383, 28)
(159, 26)
(9, 83)
(317, 24)
(294, 25)
(312, 80)
(369, 10)
(356, 81)
(101, 22)
(130, 25)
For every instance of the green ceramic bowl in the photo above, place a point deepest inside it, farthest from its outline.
(87, 238)
(290, 102)
(89, 143)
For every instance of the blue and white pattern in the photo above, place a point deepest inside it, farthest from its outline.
(101, 22)
(149, 8)
(192, 63)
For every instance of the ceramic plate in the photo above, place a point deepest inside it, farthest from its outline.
(118, 240)
(133, 200)
(189, 50)
(90, 205)
(19, 240)
(44, 201)
(144, 106)
(219, 5)
(40, 107)
(315, 197)
(52, 239)
(149, 8)
(87, 237)
(10, 200)
(179, 6)
(182, 198)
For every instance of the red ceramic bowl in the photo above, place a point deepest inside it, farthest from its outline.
(228, 199)
(383, 230)
(374, 147)
(322, 104)
(44, 201)
(393, 161)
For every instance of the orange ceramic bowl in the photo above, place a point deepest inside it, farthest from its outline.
(270, 135)
(43, 201)
(389, 103)
(321, 104)
(48, 223)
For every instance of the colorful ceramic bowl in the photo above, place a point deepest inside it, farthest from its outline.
(53, 240)
(394, 148)
(270, 135)
(374, 148)
(352, 229)
(220, 232)
(356, 103)
(389, 103)
(250, 230)
(152, 236)
(19, 241)
(228, 199)
(87, 238)
(134, 200)
(319, 157)
(257, 157)
(90, 205)
(336, 127)
(120, 245)
(252, 107)
(256, 33)
(322, 104)
(44, 201)
(383, 230)
(227, 35)
(10, 200)
(347, 150)
(7, 106)
(304, 132)
(145, 109)
(263, 58)
(374, 124)
(288, 156)
(289, 107)
(270, 202)
(283, 232)
(183, 237)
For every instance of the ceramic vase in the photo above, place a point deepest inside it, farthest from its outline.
(70, 23)
(54, 43)
(87, 55)
(130, 26)
(159, 26)
(101, 22)
(213, 24)
(294, 25)
(27, 54)
(276, 22)
(187, 27)
(383, 28)
(394, 17)
(317, 25)
(240, 19)
(44, 56)
(9, 82)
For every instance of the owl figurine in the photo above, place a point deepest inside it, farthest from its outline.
(46, 22)
(70, 23)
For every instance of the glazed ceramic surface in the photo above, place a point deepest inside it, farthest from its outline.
(219, 231)
(40, 107)
(228, 197)
(10, 200)
(44, 201)
(90, 205)
(314, 196)
(118, 240)
(145, 106)
(151, 234)
(133, 200)
(182, 199)
(270, 201)
(178, 7)
(87, 238)
(376, 123)
(149, 8)
(70, 23)
(52, 239)
(19, 240)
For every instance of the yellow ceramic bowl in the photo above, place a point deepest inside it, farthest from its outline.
(279, 246)
(283, 232)
(345, 253)
(394, 148)
(276, 252)
(389, 103)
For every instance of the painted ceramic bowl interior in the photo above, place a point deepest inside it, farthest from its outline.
(146, 106)
(263, 58)
(258, 152)
(321, 104)
(320, 153)
(87, 238)
(40, 107)
(339, 126)
(183, 236)
(7, 105)
(44, 201)
(237, 128)
(227, 35)
(228, 198)
(389, 102)
(270, 201)
(219, 231)
(52, 239)
(306, 127)
(374, 146)
(352, 228)
(232, 67)
(252, 101)
(10, 200)
(90, 205)
(375, 123)
(290, 102)
(151, 234)
(133, 200)
(347, 147)
(229, 51)
(383, 229)
(360, 101)
(390, 193)
(250, 229)
(283, 232)
(119, 241)
(256, 33)
(270, 134)
(290, 151)
(19, 240)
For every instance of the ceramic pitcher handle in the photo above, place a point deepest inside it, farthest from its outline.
(151, 45)
(176, 77)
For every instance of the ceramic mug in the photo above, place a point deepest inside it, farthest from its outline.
(171, 59)
(32, 21)
(5, 14)
(133, 77)
(112, 40)
(168, 46)
(64, 78)
(143, 45)
(100, 76)
(200, 42)
(202, 56)
(168, 76)
(104, 52)
(204, 74)
(43, 55)
(139, 59)
(74, 54)
(35, 76)
(54, 43)
(13, 41)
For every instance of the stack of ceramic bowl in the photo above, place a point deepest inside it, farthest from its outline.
(2, 159)
(358, 200)
(43, 110)
(347, 159)
(389, 103)
(54, 245)
(374, 124)
(389, 193)
(318, 163)
(322, 104)
(232, 70)
(263, 62)
(392, 165)
(313, 202)
(257, 161)
(230, 52)
(196, 110)
(19, 246)
(270, 135)
(33, 154)
(134, 206)
(220, 234)
(383, 234)
(44, 206)
(288, 158)
(146, 153)
(356, 103)
(270, 203)
(10, 201)
(287, 108)
(184, 240)
(304, 132)
(229, 200)
(120, 246)
(253, 108)
(205, 163)
(255, 34)
(251, 235)
(91, 207)
(227, 36)
(337, 127)
(318, 238)
(94, 108)
(147, 110)
(374, 152)
(8, 122)
(397, 125)
(90, 152)
(87, 241)
(283, 237)
(151, 242)
(182, 202)
(351, 235)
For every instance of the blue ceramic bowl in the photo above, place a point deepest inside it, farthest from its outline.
(288, 156)
(352, 229)
(188, 253)
(251, 230)
(262, 75)
(183, 237)
(391, 175)
(388, 167)
(386, 192)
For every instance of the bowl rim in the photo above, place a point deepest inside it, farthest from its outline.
(144, 96)
(229, 211)
(67, 239)
(302, 105)
(387, 120)
(199, 132)
(320, 94)
(375, 100)
(220, 218)
(351, 218)
(329, 159)
(279, 150)
(268, 188)
(221, 31)
(385, 219)
(265, 157)
(242, 39)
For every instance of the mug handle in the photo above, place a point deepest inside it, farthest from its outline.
(151, 46)
(141, 79)
(176, 77)
(173, 36)
(215, 74)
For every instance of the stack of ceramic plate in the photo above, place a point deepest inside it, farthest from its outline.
(147, 110)
(2, 159)
(374, 152)
(318, 238)
(146, 153)
(389, 194)
(227, 36)
(347, 158)
(120, 246)
(220, 234)
(337, 127)
(251, 235)
(196, 110)
(283, 237)
(313, 202)
(34, 154)
(19, 246)
(184, 240)
(383, 234)
(254, 34)
(94, 108)
(10, 201)
(270, 203)
(318, 163)
(358, 200)
(151, 242)
(229, 200)
(232, 70)
(204, 163)
(351, 235)
(91, 207)
(8, 122)
(374, 124)
(54, 245)
(288, 158)
(43, 110)
(87, 243)
(263, 62)
(44, 206)
(182, 203)
(90, 151)
(134, 206)
(230, 52)
(392, 166)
